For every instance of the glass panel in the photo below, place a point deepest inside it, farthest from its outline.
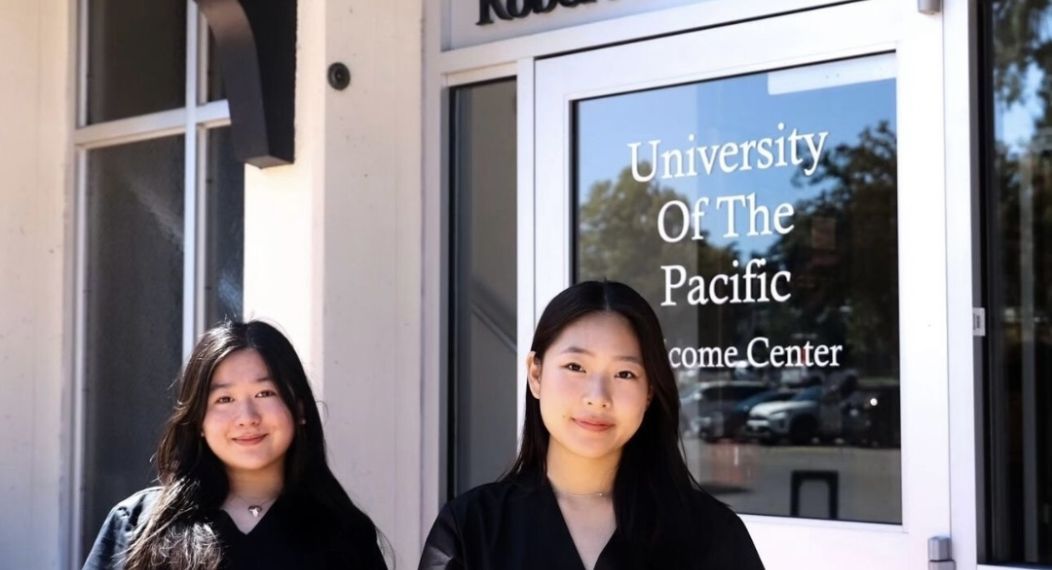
(225, 229)
(133, 329)
(216, 87)
(757, 214)
(1018, 391)
(136, 57)
(483, 297)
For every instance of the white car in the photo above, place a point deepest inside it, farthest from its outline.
(708, 397)
(795, 418)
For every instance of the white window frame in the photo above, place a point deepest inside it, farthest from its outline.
(193, 120)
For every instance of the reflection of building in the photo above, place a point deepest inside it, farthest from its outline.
(431, 210)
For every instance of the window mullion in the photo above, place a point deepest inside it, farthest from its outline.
(200, 73)
(82, 63)
(203, 251)
(191, 244)
(79, 348)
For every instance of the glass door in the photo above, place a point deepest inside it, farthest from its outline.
(775, 190)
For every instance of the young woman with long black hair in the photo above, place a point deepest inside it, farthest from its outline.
(244, 478)
(599, 482)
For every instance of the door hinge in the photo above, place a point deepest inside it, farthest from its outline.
(929, 6)
(939, 555)
(978, 321)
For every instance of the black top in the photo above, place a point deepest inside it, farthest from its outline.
(284, 538)
(517, 525)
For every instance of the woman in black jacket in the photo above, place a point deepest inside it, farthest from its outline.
(244, 479)
(600, 482)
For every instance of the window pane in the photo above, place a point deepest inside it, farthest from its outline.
(757, 214)
(484, 283)
(216, 87)
(225, 230)
(134, 300)
(1018, 391)
(136, 57)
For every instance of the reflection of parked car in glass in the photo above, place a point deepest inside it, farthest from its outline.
(837, 387)
(713, 396)
(871, 417)
(727, 420)
(688, 403)
(800, 377)
(795, 418)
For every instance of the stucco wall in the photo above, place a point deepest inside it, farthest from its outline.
(373, 249)
(35, 116)
(333, 249)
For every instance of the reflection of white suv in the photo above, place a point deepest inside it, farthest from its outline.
(796, 418)
(801, 376)
(708, 397)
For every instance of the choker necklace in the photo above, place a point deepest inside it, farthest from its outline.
(599, 494)
(569, 494)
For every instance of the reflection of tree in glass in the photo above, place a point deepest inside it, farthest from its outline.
(1021, 44)
(618, 239)
(1023, 51)
(843, 254)
(1020, 257)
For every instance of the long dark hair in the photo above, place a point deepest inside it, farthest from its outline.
(652, 487)
(178, 532)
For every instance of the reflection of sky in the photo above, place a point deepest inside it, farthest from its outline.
(1014, 124)
(727, 110)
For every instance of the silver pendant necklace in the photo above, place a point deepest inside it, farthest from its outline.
(255, 509)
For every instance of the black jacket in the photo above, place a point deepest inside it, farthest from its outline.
(517, 525)
(291, 535)
(118, 530)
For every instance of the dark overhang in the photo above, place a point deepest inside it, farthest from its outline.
(256, 40)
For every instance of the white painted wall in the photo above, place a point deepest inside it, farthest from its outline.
(334, 249)
(35, 121)
(373, 259)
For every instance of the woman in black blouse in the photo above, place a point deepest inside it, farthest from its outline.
(244, 479)
(600, 482)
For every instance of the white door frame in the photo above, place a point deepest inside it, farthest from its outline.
(849, 30)
(445, 66)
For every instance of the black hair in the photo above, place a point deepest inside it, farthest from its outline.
(178, 531)
(652, 487)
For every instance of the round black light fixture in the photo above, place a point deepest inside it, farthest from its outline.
(339, 76)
